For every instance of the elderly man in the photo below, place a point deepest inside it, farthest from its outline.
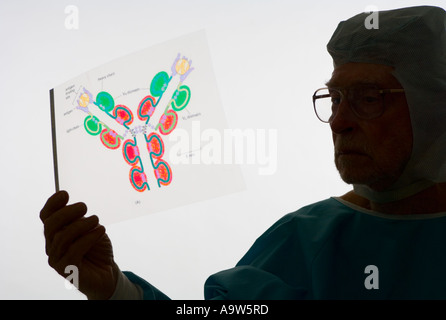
(386, 106)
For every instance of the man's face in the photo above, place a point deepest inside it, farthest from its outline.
(371, 152)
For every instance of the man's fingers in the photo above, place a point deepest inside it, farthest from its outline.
(63, 218)
(78, 249)
(54, 203)
(84, 244)
(66, 237)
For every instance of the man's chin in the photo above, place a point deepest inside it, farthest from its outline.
(374, 184)
(361, 171)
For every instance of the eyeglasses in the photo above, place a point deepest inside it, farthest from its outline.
(367, 102)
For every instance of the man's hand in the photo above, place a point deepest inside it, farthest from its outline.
(72, 239)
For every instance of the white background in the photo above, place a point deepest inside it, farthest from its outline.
(268, 57)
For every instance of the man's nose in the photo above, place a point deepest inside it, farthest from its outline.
(344, 118)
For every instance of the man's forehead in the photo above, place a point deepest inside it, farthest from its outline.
(352, 74)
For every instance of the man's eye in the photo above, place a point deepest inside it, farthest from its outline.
(335, 100)
(370, 99)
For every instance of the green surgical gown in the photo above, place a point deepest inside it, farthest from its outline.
(335, 250)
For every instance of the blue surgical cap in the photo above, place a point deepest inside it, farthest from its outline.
(412, 41)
